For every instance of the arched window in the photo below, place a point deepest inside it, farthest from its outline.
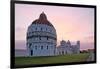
(41, 47)
(31, 52)
(47, 47)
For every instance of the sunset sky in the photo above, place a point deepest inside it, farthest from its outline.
(71, 23)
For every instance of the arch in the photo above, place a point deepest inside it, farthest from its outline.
(41, 47)
(47, 47)
(31, 52)
(62, 52)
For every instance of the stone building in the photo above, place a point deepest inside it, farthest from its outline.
(41, 37)
(68, 48)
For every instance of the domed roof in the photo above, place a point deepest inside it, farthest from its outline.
(42, 20)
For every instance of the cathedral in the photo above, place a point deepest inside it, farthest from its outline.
(68, 48)
(42, 39)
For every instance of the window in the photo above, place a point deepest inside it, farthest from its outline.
(31, 52)
(41, 47)
(35, 47)
(41, 29)
(62, 52)
(46, 29)
(47, 47)
(47, 38)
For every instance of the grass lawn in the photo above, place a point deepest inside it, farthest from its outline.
(51, 59)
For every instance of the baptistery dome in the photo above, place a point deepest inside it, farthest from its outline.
(41, 37)
(42, 20)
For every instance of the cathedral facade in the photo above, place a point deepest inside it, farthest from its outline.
(68, 48)
(41, 37)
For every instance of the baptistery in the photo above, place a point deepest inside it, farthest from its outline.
(41, 37)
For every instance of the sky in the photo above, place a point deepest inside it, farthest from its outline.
(71, 23)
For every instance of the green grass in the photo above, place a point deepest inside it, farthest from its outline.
(51, 59)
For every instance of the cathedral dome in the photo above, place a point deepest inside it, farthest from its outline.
(42, 20)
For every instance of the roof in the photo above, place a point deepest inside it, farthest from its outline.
(42, 20)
